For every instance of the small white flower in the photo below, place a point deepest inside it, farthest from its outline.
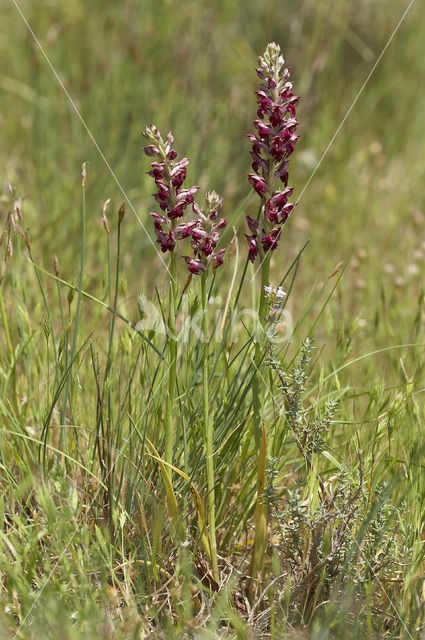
(272, 291)
(280, 293)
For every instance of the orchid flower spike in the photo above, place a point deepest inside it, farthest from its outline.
(272, 145)
(169, 176)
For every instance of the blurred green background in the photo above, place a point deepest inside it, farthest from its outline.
(188, 66)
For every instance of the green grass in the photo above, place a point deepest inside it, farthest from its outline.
(88, 546)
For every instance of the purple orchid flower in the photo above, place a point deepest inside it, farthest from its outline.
(205, 233)
(272, 146)
(169, 177)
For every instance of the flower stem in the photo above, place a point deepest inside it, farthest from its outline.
(259, 346)
(208, 432)
(78, 310)
(260, 540)
(169, 426)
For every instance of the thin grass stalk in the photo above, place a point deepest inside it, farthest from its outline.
(208, 431)
(9, 347)
(5, 323)
(111, 465)
(52, 332)
(62, 413)
(46, 423)
(80, 291)
(102, 304)
(100, 395)
(56, 268)
(46, 306)
(109, 274)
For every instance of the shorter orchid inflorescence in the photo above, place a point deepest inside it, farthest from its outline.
(169, 177)
(204, 233)
(271, 147)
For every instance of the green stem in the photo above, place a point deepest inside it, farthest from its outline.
(5, 323)
(208, 432)
(9, 347)
(260, 540)
(46, 306)
(78, 311)
(259, 351)
(110, 464)
(172, 378)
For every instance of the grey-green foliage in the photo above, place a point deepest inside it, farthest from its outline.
(341, 533)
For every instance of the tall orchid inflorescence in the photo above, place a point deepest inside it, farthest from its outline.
(169, 177)
(205, 233)
(271, 147)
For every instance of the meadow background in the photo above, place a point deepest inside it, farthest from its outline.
(189, 67)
